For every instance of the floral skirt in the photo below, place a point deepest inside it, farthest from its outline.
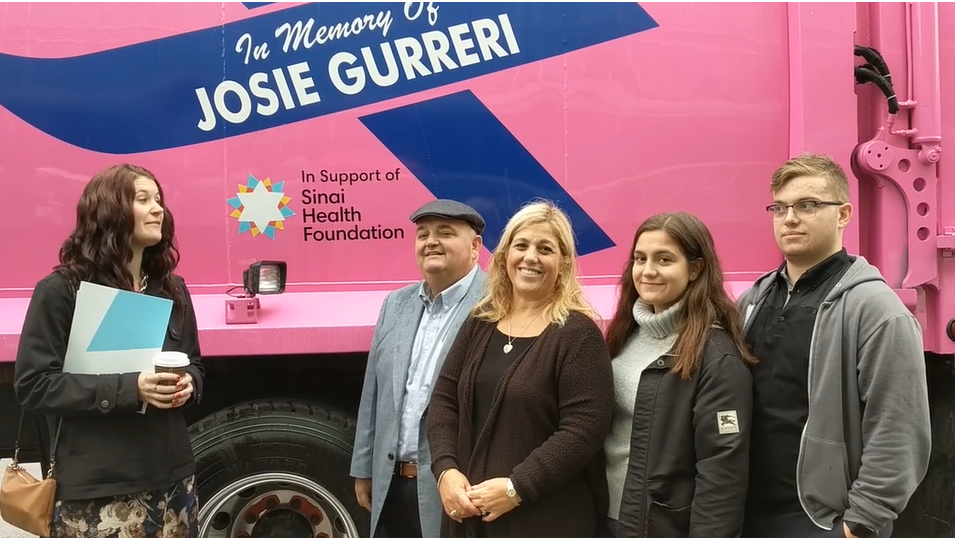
(172, 513)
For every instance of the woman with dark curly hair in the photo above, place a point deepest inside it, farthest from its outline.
(119, 472)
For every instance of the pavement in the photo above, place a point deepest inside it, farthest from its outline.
(6, 531)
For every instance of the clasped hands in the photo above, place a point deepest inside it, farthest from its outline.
(461, 500)
(164, 390)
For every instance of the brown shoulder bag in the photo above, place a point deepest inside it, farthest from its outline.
(25, 502)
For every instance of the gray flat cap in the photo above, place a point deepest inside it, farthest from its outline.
(450, 209)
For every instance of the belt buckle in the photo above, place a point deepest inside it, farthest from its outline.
(402, 465)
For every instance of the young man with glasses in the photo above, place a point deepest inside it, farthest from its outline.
(841, 435)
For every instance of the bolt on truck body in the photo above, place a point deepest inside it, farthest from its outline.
(305, 134)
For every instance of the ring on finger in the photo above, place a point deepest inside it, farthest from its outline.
(453, 513)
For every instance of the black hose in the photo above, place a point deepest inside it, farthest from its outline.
(873, 57)
(864, 75)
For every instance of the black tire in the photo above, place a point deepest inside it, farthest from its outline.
(931, 511)
(294, 437)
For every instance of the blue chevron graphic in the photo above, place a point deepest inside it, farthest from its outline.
(459, 150)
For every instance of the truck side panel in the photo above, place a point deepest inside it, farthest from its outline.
(616, 110)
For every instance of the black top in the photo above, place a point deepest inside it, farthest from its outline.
(495, 363)
(780, 337)
(106, 447)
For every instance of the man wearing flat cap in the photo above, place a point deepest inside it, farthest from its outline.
(391, 462)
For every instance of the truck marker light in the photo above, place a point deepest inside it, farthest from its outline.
(261, 278)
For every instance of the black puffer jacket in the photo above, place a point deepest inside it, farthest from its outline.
(106, 447)
(689, 452)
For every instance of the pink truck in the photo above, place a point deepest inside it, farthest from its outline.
(307, 133)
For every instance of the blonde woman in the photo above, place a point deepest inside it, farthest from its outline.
(522, 405)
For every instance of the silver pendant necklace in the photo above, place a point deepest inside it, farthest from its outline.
(510, 339)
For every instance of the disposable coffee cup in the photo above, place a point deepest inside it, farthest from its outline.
(171, 362)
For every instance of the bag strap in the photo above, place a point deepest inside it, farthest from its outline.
(16, 447)
(56, 437)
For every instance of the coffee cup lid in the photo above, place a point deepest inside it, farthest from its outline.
(171, 359)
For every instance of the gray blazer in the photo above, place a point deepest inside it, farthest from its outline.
(389, 358)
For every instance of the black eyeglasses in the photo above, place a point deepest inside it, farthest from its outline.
(804, 210)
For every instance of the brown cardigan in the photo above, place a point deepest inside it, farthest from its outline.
(546, 429)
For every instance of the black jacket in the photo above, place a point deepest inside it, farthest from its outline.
(106, 447)
(686, 479)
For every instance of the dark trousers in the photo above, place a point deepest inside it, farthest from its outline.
(399, 514)
(796, 525)
(786, 526)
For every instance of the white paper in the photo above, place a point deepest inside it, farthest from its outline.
(115, 331)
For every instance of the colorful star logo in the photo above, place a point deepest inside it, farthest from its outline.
(261, 207)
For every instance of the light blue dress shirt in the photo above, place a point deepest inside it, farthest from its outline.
(431, 337)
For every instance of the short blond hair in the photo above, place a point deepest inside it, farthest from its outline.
(568, 295)
(813, 165)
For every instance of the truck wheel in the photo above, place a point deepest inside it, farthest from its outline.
(276, 469)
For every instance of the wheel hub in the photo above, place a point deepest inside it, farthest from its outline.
(275, 505)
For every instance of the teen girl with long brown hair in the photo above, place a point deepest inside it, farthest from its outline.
(678, 451)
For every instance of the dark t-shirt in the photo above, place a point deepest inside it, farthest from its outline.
(489, 374)
(780, 337)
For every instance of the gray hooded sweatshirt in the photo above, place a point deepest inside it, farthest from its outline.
(866, 444)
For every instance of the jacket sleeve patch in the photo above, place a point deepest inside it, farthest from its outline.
(727, 422)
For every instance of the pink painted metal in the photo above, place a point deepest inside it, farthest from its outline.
(692, 115)
(908, 205)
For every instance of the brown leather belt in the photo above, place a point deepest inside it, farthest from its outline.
(406, 469)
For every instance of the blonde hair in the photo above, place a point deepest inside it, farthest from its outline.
(813, 165)
(568, 295)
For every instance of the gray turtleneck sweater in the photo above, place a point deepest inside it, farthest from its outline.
(655, 336)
